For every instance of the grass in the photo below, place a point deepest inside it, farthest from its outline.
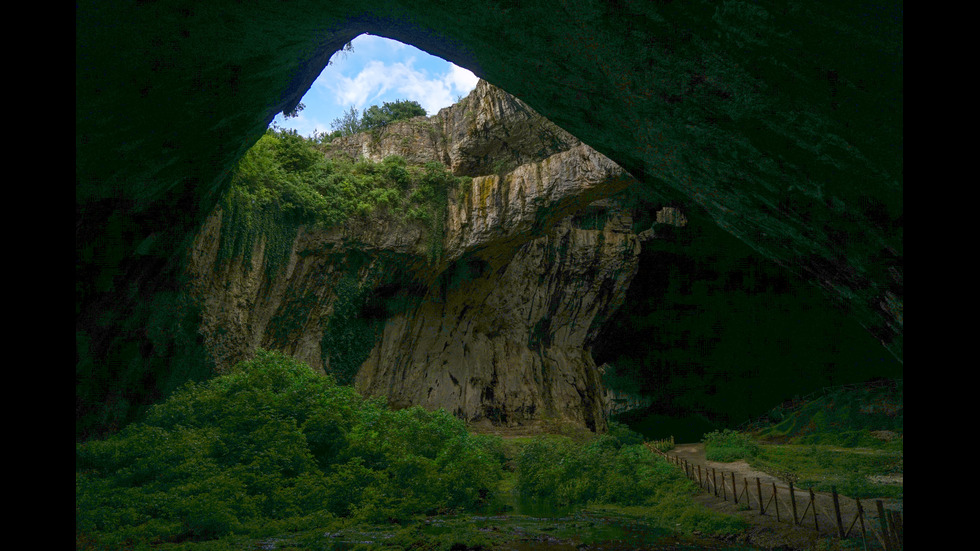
(849, 438)
(852, 471)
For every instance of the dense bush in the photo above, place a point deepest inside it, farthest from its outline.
(728, 445)
(273, 446)
(284, 182)
(605, 470)
(613, 471)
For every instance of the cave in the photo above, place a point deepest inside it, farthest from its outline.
(779, 124)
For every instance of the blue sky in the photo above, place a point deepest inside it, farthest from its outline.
(378, 70)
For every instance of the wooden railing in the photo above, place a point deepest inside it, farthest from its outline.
(889, 531)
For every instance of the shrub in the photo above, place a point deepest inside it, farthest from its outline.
(728, 445)
(610, 473)
(272, 444)
(605, 470)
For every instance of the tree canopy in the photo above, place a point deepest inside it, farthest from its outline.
(352, 122)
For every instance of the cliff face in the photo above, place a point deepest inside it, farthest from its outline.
(510, 346)
(487, 132)
(497, 328)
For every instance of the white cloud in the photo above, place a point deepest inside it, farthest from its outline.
(379, 81)
(462, 80)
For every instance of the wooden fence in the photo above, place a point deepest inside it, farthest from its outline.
(660, 446)
(887, 528)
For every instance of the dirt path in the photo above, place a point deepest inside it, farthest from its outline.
(767, 531)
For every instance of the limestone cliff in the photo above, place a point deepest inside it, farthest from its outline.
(497, 328)
(510, 346)
(487, 132)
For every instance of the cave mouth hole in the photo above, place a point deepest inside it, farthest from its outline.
(371, 70)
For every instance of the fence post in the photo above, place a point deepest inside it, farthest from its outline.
(792, 499)
(714, 480)
(864, 535)
(775, 497)
(745, 484)
(758, 491)
(724, 489)
(699, 477)
(734, 489)
(895, 519)
(813, 502)
(840, 524)
(884, 525)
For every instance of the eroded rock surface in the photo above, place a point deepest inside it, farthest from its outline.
(496, 329)
(511, 345)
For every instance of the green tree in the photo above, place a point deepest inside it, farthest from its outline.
(348, 123)
(377, 117)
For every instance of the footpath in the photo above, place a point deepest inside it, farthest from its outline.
(774, 528)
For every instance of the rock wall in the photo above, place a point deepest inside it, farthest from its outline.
(497, 329)
(510, 346)
(487, 132)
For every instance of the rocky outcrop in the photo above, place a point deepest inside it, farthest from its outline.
(498, 328)
(487, 132)
(510, 346)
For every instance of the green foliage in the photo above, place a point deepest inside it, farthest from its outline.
(378, 117)
(728, 445)
(855, 473)
(843, 416)
(374, 117)
(622, 434)
(605, 470)
(169, 354)
(347, 337)
(613, 471)
(284, 182)
(273, 445)
(852, 472)
(348, 123)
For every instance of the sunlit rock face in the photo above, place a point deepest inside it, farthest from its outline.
(783, 123)
(487, 132)
(510, 346)
(499, 324)
(527, 173)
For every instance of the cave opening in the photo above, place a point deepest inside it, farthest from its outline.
(171, 136)
(372, 70)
